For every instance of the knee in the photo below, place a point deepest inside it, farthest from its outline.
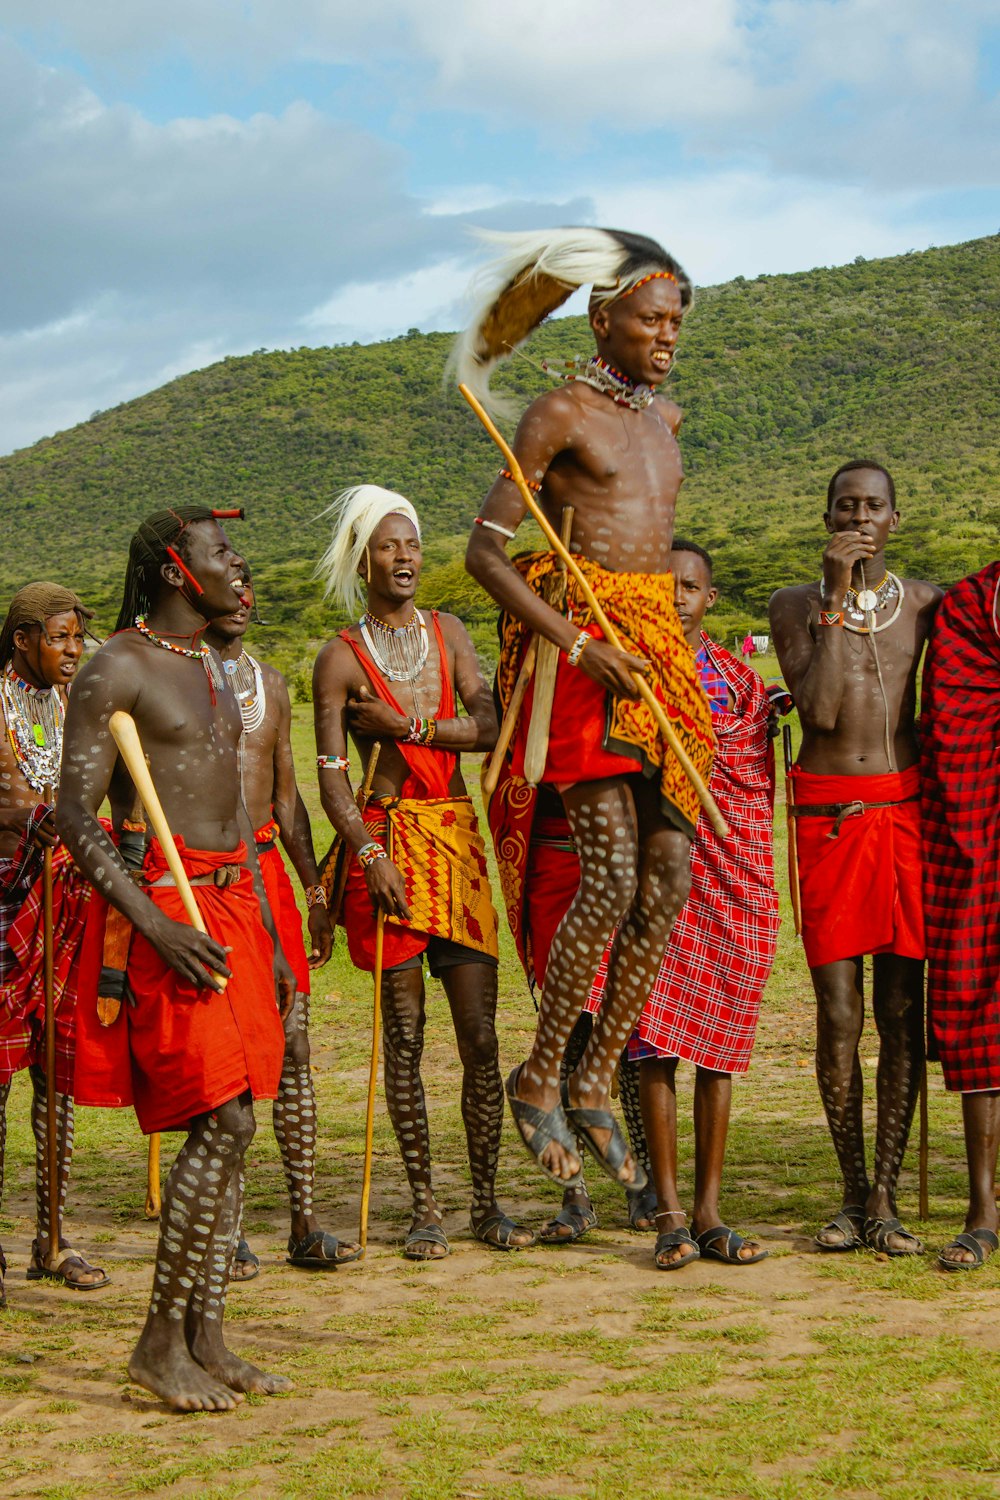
(477, 1047)
(296, 1046)
(608, 890)
(402, 1039)
(235, 1119)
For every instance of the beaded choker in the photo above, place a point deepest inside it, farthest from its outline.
(860, 606)
(34, 719)
(200, 653)
(596, 372)
(400, 654)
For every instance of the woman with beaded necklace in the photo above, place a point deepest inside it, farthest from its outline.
(415, 854)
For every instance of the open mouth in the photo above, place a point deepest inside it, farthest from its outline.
(403, 575)
(662, 359)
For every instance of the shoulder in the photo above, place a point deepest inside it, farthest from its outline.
(923, 594)
(275, 686)
(453, 630)
(797, 597)
(669, 412)
(557, 406)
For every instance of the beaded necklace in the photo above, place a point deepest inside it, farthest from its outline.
(200, 653)
(34, 718)
(400, 653)
(860, 606)
(596, 372)
(247, 682)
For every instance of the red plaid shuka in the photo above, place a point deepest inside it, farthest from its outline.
(706, 1000)
(960, 785)
(22, 986)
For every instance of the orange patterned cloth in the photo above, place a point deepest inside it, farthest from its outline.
(436, 844)
(595, 734)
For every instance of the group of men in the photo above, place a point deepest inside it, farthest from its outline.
(647, 931)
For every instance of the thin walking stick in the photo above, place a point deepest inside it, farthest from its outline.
(646, 693)
(51, 1125)
(491, 775)
(925, 1202)
(153, 1203)
(366, 1180)
(794, 889)
(536, 745)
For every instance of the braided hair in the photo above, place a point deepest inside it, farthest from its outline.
(161, 538)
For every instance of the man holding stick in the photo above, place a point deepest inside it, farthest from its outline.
(277, 812)
(606, 446)
(849, 647)
(417, 873)
(200, 1036)
(41, 642)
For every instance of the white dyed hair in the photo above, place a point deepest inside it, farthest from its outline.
(355, 514)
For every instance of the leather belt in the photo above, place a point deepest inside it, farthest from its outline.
(838, 811)
(225, 875)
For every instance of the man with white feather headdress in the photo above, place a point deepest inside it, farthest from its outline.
(415, 853)
(605, 445)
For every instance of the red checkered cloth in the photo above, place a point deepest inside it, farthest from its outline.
(22, 983)
(706, 1000)
(960, 784)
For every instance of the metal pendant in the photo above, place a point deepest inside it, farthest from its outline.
(867, 601)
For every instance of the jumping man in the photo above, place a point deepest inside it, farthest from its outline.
(605, 445)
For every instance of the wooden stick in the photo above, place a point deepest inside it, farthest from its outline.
(536, 745)
(126, 737)
(51, 1124)
(794, 888)
(366, 1179)
(925, 1202)
(491, 775)
(361, 802)
(153, 1203)
(646, 693)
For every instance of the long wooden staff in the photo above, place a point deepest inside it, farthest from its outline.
(794, 889)
(664, 725)
(126, 737)
(51, 1124)
(491, 774)
(925, 1202)
(153, 1202)
(366, 1177)
(536, 745)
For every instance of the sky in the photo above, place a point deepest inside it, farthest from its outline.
(185, 181)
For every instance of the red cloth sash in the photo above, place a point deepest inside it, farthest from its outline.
(430, 769)
(284, 908)
(176, 1051)
(861, 890)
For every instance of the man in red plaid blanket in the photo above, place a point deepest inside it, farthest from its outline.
(41, 642)
(960, 731)
(706, 998)
(849, 646)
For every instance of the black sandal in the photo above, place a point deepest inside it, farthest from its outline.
(319, 1251)
(425, 1234)
(723, 1243)
(641, 1205)
(849, 1222)
(546, 1126)
(612, 1158)
(979, 1242)
(572, 1216)
(877, 1232)
(502, 1227)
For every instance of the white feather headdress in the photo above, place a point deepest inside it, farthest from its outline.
(536, 273)
(356, 513)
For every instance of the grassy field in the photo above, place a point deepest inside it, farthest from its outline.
(556, 1372)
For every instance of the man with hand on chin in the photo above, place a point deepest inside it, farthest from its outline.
(416, 855)
(849, 648)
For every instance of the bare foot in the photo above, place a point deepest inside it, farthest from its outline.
(239, 1375)
(178, 1381)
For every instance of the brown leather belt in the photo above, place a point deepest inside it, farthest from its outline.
(838, 811)
(224, 876)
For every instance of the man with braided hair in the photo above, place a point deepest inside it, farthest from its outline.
(200, 1035)
(606, 446)
(41, 643)
(416, 855)
(277, 811)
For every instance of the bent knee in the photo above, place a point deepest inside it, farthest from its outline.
(235, 1118)
(478, 1049)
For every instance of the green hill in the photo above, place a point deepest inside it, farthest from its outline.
(781, 379)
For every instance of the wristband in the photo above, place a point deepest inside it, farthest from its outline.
(578, 647)
(420, 732)
(369, 853)
(332, 762)
(315, 896)
(831, 617)
(495, 526)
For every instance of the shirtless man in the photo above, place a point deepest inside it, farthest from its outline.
(202, 1035)
(849, 647)
(416, 856)
(41, 643)
(277, 812)
(605, 446)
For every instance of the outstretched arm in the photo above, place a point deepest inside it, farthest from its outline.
(106, 684)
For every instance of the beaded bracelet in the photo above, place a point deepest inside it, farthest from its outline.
(831, 617)
(315, 896)
(333, 762)
(420, 732)
(533, 484)
(578, 647)
(369, 853)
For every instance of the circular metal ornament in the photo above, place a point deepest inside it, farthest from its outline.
(867, 601)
